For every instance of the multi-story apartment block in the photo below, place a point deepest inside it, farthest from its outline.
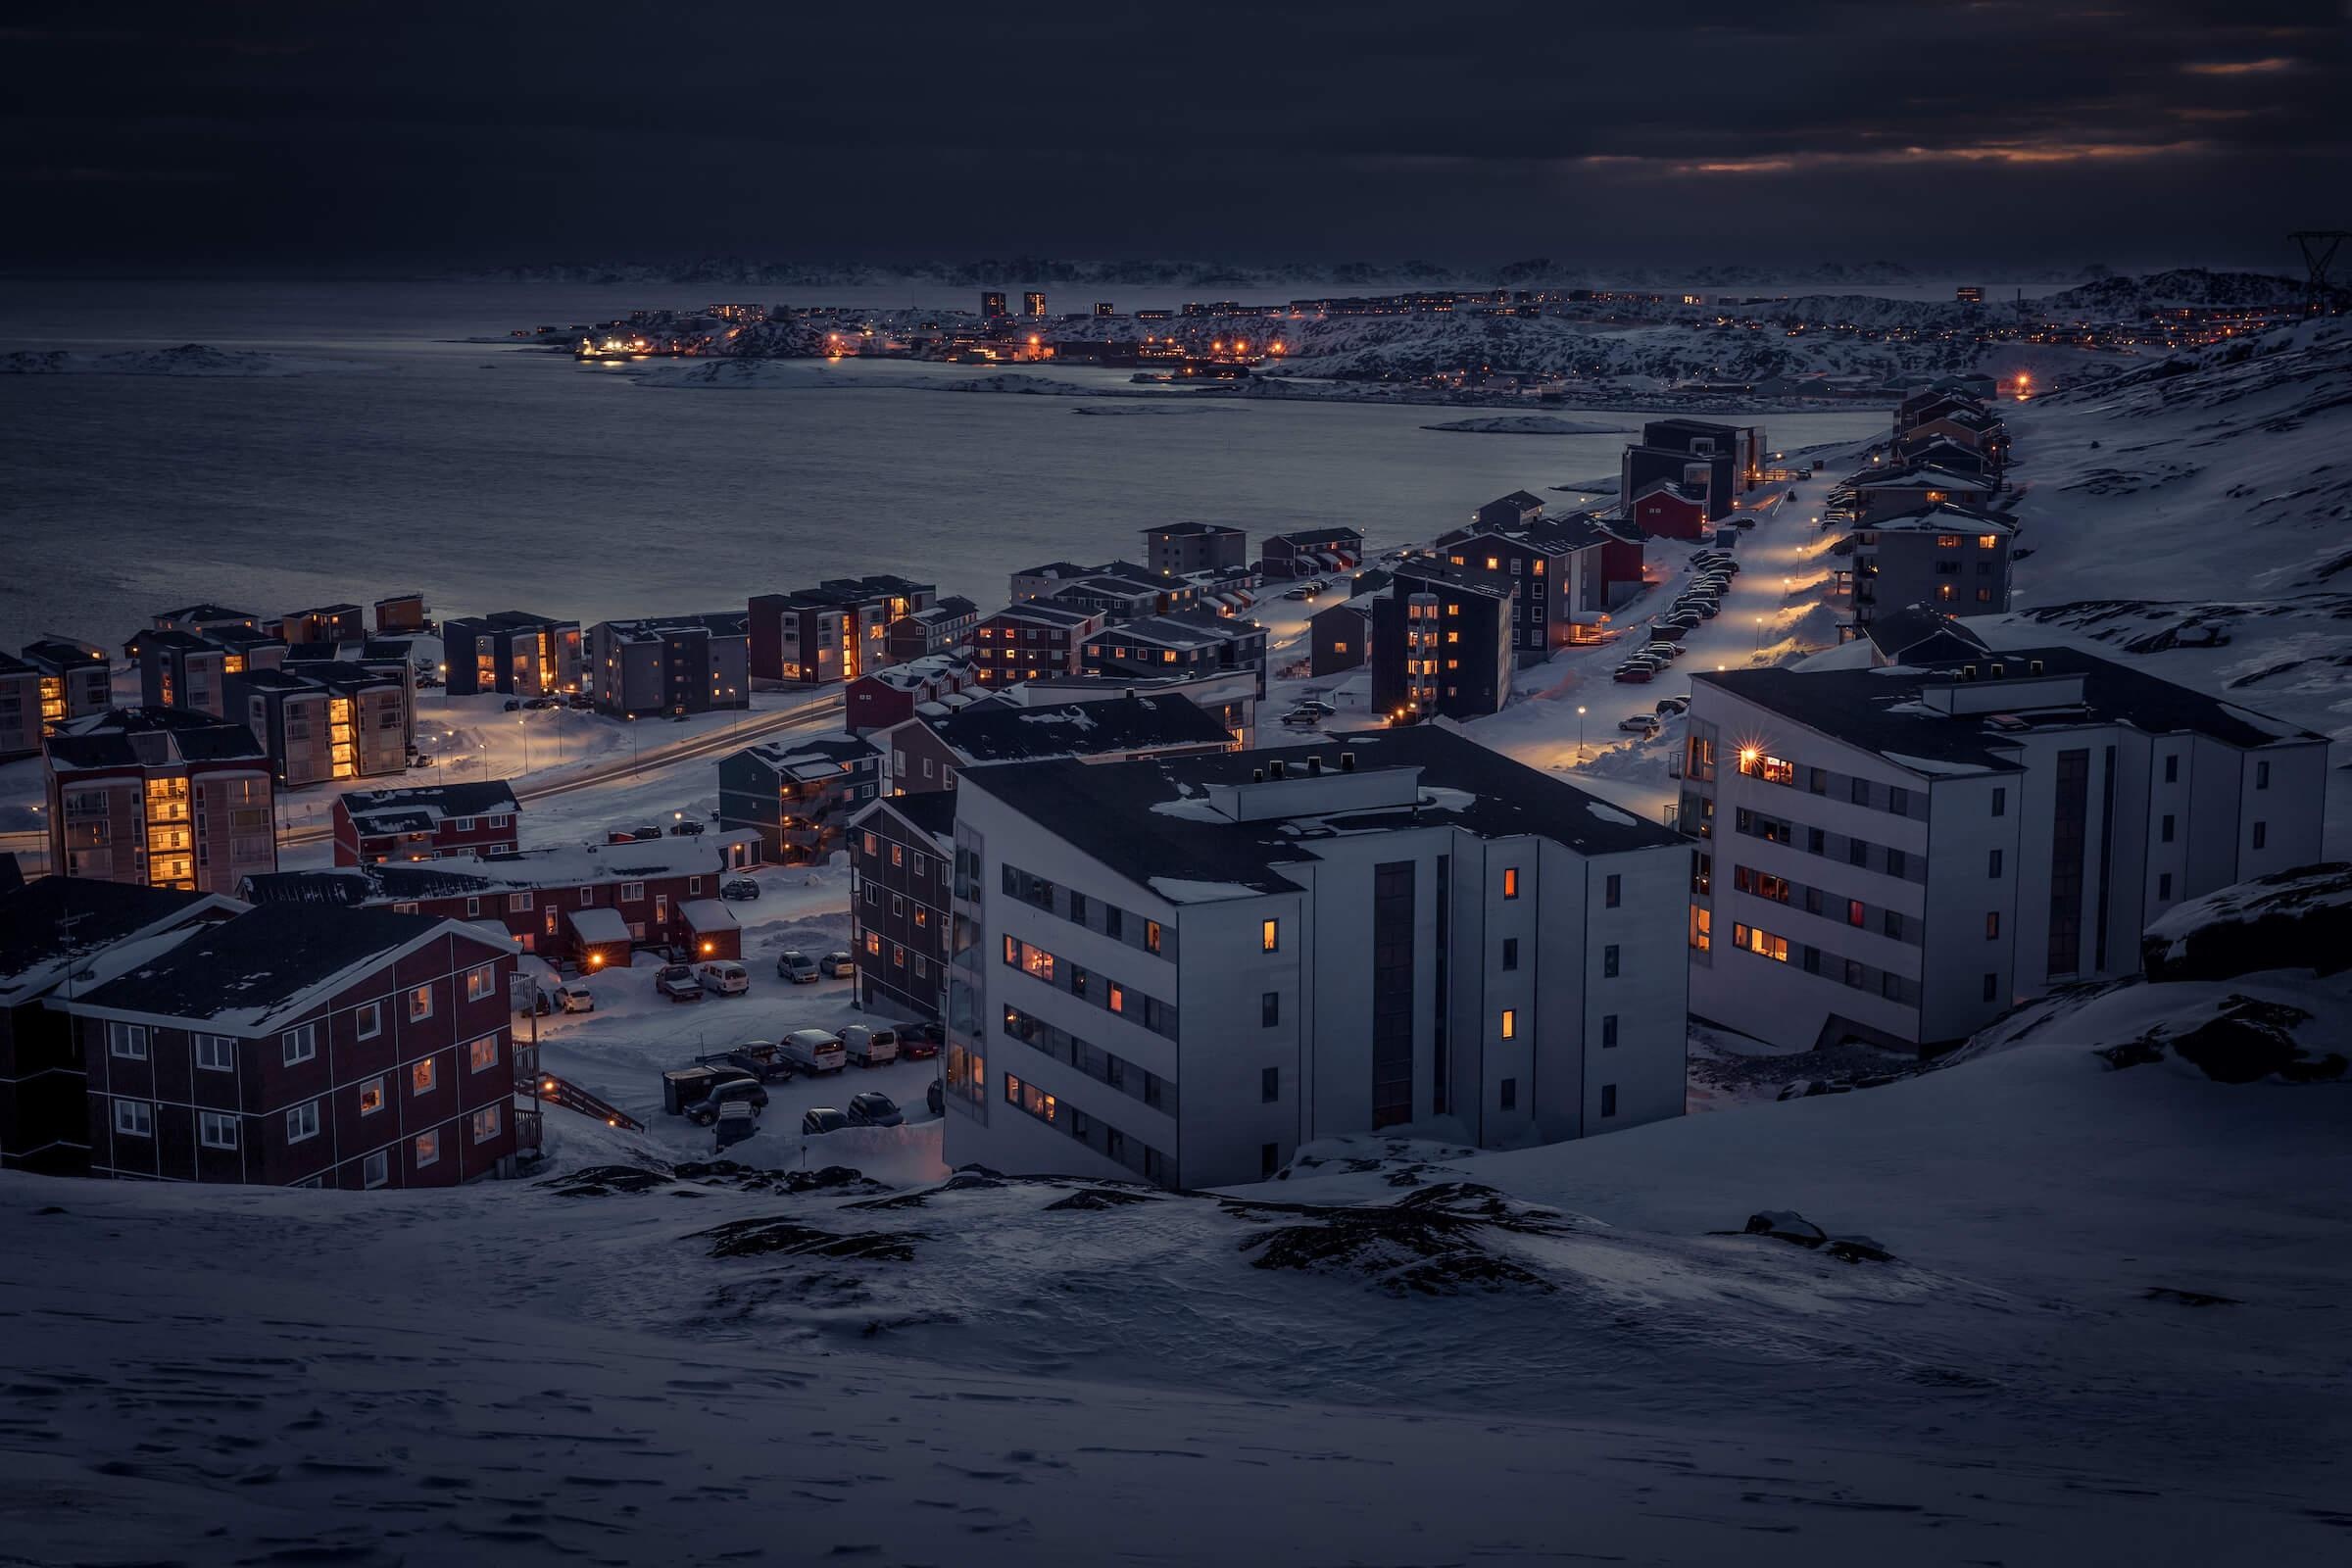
(1942, 555)
(943, 626)
(161, 798)
(402, 614)
(512, 650)
(1185, 968)
(54, 934)
(1031, 639)
(901, 850)
(1185, 643)
(332, 625)
(937, 683)
(1229, 696)
(77, 680)
(588, 903)
(835, 631)
(799, 793)
(1441, 640)
(926, 754)
(191, 670)
(1863, 498)
(1560, 569)
(21, 725)
(1899, 855)
(1311, 552)
(294, 1046)
(670, 664)
(430, 822)
(1180, 549)
(322, 720)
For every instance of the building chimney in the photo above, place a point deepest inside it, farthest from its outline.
(1276, 767)
(1315, 768)
(1347, 761)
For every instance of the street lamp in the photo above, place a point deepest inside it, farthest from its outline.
(1580, 735)
(526, 744)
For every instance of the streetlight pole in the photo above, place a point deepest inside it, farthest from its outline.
(1580, 735)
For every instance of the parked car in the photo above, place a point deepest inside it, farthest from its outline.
(868, 1045)
(737, 1121)
(823, 1119)
(539, 704)
(643, 833)
(741, 889)
(430, 683)
(1302, 719)
(797, 967)
(682, 1087)
(1671, 628)
(875, 1109)
(839, 964)
(935, 1095)
(582, 701)
(1667, 653)
(763, 1059)
(1298, 593)
(1707, 609)
(514, 704)
(723, 977)
(1635, 674)
(688, 827)
(1643, 724)
(1316, 706)
(678, 982)
(920, 1039)
(1743, 521)
(815, 1050)
(745, 1091)
(1668, 707)
(574, 996)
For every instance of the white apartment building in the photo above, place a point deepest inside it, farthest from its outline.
(1900, 853)
(1183, 968)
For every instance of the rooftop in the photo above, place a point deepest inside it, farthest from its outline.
(147, 737)
(510, 620)
(931, 812)
(1939, 517)
(653, 628)
(1316, 536)
(1920, 634)
(414, 811)
(814, 755)
(559, 866)
(1190, 530)
(1929, 719)
(205, 611)
(1007, 733)
(49, 922)
(1157, 823)
(1462, 579)
(1043, 614)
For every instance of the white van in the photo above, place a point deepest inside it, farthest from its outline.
(723, 977)
(815, 1050)
(869, 1047)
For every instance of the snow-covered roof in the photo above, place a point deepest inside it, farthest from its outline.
(598, 925)
(703, 916)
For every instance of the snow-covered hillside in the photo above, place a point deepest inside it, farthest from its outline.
(2074, 1311)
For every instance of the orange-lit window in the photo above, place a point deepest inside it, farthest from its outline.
(1988, 541)
(1270, 936)
(1702, 927)
(1510, 1023)
(421, 1077)
(1510, 881)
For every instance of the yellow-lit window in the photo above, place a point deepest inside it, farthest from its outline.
(1988, 541)
(1510, 881)
(1493, 562)
(1150, 936)
(1510, 1023)
(1270, 936)
(1453, 610)
(1702, 927)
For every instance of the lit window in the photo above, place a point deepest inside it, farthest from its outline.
(482, 1055)
(1510, 1023)
(1510, 881)
(1270, 936)
(372, 1096)
(421, 1077)
(428, 1149)
(421, 1004)
(481, 981)
(486, 1123)
(1150, 936)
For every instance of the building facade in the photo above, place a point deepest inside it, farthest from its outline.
(670, 664)
(798, 794)
(160, 798)
(322, 720)
(1945, 556)
(1033, 638)
(513, 651)
(1899, 854)
(1180, 549)
(835, 631)
(302, 1048)
(1311, 552)
(1441, 640)
(430, 822)
(902, 852)
(1183, 970)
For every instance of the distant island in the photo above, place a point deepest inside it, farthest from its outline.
(1527, 424)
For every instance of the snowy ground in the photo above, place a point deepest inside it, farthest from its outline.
(2112, 1329)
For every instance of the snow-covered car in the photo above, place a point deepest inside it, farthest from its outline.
(815, 1050)
(875, 1109)
(581, 701)
(741, 889)
(1668, 707)
(514, 704)
(797, 967)
(868, 1045)
(1639, 725)
(540, 704)
(723, 977)
(1668, 652)
(724, 1092)
(644, 831)
(678, 982)
(1299, 593)
(1316, 705)
(823, 1119)
(574, 996)
(839, 964)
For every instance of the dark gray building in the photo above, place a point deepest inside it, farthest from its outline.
(1178, 549)
(798, 792)
(670, 664)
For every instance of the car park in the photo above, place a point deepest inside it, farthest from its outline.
(839, 964)
(797, 967)
(741, 889)
(723, 977)
(875, 1109)
(823, 1119)
(678, 982)
(868, 1045)
(815, 1050)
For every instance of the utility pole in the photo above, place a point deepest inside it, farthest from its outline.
(2318, 247)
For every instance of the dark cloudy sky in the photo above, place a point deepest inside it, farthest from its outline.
(379, 137)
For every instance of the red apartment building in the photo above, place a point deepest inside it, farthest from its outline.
(298, 1047)
(893, 696)
(430, 822)
(902, 850)
(837, 630)
(161, 798)
(1033, 638)
(592, 904)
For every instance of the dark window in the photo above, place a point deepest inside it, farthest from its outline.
(1114, 920)
(1890, 986)
(2262, 775)
(1818, 781)
(1608, 1099)
(1510, 1093)
(1857, 852)
(1812, 960)
(1392, 992)
(2000, 802)
(2166, 831)
(1608, 1031)
(1510, 952)
(1078, 908)
(1608, 961)
(1898, 800)
(2261, 834)
(1853, 973)
(1269, 1008)
(2068, 828)
(1269, 1085)
(1269, 1158)
(1859, 789)
(1893, 925)
(1812, 900)
(2171, 769)
(1992, 987)
(1992, 863)
(1613, 891)
(1817, 841)
(2164, 885)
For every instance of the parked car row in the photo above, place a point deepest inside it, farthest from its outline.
(1712, 571)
